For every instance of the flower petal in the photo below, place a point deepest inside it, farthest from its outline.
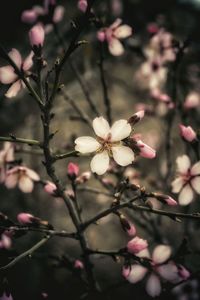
(161, 253)
(183, 164)
(101, 127)
(186, 195)
(120, 130)
(153, 286)
(58, 14)
(123, 155)
(195, 182)
(14, 89)
(137, 273)
(11, 180)
(7, 75)
(86, 144)
(169, 272)
(28, 62)
(177, 185)
(115, 47)
(100, 163)
(16, 57)
(123, 32)
(25, 184)
(195, 170)
(32, 174)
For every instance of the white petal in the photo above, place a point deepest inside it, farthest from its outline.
(7, 75)
(195, 170)
(183, 163)
(177, 185)
(28, 62)
(117, 22)
(161, 253)
(120, 130)
(115, 47)
(195, 182)
(32, 174)
(11, 180)
(122, 155)
(169, 272)
(137, 273)
(25, 184)
(101, 127)
(14, 89)
(100, 163)
(86, 144)
(16, 57)
(123, 32)
(153, 286)
(186, 195)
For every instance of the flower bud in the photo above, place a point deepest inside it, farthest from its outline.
(145, 150)
(29, 16)
(165, 199)
(85, 176)
(82, 5)
(72, 170)
(126, 271)
(183, 272)
(101, 36)
(127, 226)
(25, 218)
(50, 188)
(78, 264)
(136, 245)
(5, 241)
(136, 117)
(187, 133)
(36, 36)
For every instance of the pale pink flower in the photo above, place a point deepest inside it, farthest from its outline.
(145, 150)
(108, 143)
(72, 170)
(192, 100)
(8, 75)
(22, 177)
(6, 156)
(159, 269)
(188, 180)
(113, 35)
(136, 245)
(78, 264)
(5, 241)
(187, 133)
(82, 5)
(36, 35)
(25, 218)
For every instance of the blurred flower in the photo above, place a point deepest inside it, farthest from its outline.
(5, 241)
(107, 144)
(85, 176)
(82, 5)
(113, 35)
(23, 177)
(78, 264)
(50, 188)
(6, 156)
(8, 75)
(188, 180)
(6, 296)
(136, 245)
(187, 133)
(192, 100)
(25, 218)
(36, 36)
(136, 117)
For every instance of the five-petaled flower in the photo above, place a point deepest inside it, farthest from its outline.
(188, 180)
(108, 143)
(113, 35)
(8, 75)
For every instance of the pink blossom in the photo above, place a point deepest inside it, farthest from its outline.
(170, 201)
(187, 181)
(22, 177)
(132, 230)
(29, 16)
(113, 35)
(187, 133)
(145, 150)
(25, 218)
(82, 5)
(5, 241)
(136, 245)
(8, 75)
(192, 101)
(152, 28)
(50, 188)
(78, 264)
(36, 36)
(72, 170)
(6, 156)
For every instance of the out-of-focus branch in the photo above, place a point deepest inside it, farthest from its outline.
(14, 139)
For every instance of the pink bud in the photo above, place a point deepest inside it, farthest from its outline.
(126, 271)
(5, 241)
(72, 170)
(29, 16)
(136, 117)
(187, 133)
(170, 201)
(145, 150)
(25, 218)
(82, 5)
(85, 176)
(101, 36)
(152, 28)
(78, 264)
(36, 35)
(183, 272)
(132, 230)
(50, 188)
(136, 245)
(70, 193)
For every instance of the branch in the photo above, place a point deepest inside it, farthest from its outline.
(14, 139)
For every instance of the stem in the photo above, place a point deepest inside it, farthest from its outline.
(14, 139)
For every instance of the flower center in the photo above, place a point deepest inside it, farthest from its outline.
(106, 145)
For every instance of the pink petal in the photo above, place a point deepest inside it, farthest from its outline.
(16, 57)
(14, 89)
(136, 245)
(137, 273)
(186, 195)
(29, 16)
(153, 286)
(169, 272)
(58, 14)
(28, 62)
(161, 253)
(145, 150)
(7, 75)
